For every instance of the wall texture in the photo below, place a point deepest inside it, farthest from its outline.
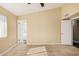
(11, 38)
(43, 27)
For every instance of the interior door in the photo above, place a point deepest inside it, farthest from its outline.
(22, 31)
(66, 32)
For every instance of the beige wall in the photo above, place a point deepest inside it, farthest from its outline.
(70, 9)
(43, 27)
(11, 38)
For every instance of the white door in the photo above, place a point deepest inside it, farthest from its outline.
(22, 31)
(66, 32)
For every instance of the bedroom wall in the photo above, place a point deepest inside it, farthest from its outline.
(43, 27)
(11, 23)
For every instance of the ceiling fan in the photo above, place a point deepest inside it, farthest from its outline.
(42, 4)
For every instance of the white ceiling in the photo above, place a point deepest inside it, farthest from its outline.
(23, 8)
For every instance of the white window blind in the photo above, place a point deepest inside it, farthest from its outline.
(3, 26)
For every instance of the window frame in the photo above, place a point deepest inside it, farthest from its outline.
(3, 29)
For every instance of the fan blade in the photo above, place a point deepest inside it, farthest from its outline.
(28, 3)
(42, 4)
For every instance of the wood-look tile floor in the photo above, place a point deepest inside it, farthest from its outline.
(43, 50)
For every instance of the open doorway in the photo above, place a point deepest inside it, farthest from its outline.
(22, 31)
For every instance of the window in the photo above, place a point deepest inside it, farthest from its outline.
(3, 26)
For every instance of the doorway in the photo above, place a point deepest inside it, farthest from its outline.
(22, 31)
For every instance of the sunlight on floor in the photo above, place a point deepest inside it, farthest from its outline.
(37, 51)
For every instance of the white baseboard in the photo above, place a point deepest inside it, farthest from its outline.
(6, 51)
(43, 43)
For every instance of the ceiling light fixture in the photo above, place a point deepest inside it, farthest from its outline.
(42, 4)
